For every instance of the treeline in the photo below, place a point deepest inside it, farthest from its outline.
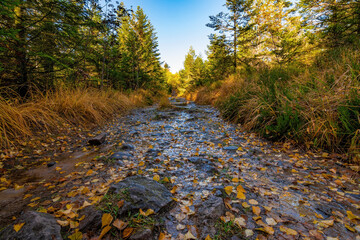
(49, 44)
(286, 70)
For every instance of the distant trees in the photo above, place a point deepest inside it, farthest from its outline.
(51, 43)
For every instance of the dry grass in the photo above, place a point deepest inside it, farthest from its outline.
(84, 107)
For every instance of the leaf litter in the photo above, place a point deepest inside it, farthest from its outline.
(271, 190)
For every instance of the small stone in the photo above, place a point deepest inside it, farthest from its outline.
(142, 234)
(97, 140)
(50, 164)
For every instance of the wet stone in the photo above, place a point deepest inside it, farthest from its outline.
(211, 210)
(141, 192)
(37, 226)
(153, 152)
(127, 147)
(142, 234)
(121, 156)
(92, 220)
(231, 148)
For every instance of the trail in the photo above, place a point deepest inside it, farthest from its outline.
(286, 193)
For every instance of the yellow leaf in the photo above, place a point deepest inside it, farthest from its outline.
(156, 178)
(241, 195)
(127, 232)
(142, 163)
(104, 231)
(173, 190)
(76, 236)
(18, 226)
(352, 216)
(326, 223)
(106, 219)
(18, 187)
(86, 203)
(256, 210)
(120, 224)
(288, 231)
(27, 196)
(350, 228)
(240, 188)
(208, 237)
(228, 190)
(74, 224)
(166, 179)
(245, 205)
(235, 180)
(162, 236)
(34, 199)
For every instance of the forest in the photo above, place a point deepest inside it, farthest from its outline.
(257, 139)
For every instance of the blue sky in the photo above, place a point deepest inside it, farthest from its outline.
(179, 24)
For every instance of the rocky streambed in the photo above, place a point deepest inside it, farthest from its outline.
(183, 173)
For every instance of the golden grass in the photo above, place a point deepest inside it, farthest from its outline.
(81, 107)
(316, 95)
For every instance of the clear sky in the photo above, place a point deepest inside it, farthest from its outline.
(179, 24)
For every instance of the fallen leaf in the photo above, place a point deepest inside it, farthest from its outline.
(267, 229)
(208, 237)
(18, 226)
(241, 222)
(162, 236)
(228, 190)
(119, 224)
(256, 210)
(352, 216)
(106, 219)
(147, 213)
(189, 235)
(180, 227)
(326, 223)
(156, 178)
(120, 203)
(245, 205)
(288, 231)
(76, 236)
(63, 223)
(253, 202)
(241, 195)
(127, 232)
(271, 221)
(104, 231)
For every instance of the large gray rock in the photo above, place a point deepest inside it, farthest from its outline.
(38, 226)
(92, 220)
(141, 192)
(209, 213)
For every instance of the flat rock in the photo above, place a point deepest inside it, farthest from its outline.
(210, 212)
(97, 140)
(231, 148)
(141, 192)
(92, 220)
(37, 226)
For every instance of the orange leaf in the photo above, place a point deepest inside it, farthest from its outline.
(17, 227)
(127, 232)
(162, 236)
(241, 195)
(106, 219)
(256, 210)
(104, 231)
(228, 190)
(120, 203)
(120, 224)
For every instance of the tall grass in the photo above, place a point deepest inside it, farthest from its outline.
(318, 107)
(81, 107)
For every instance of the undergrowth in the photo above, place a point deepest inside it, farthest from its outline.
(317, 106)
(74, 107)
